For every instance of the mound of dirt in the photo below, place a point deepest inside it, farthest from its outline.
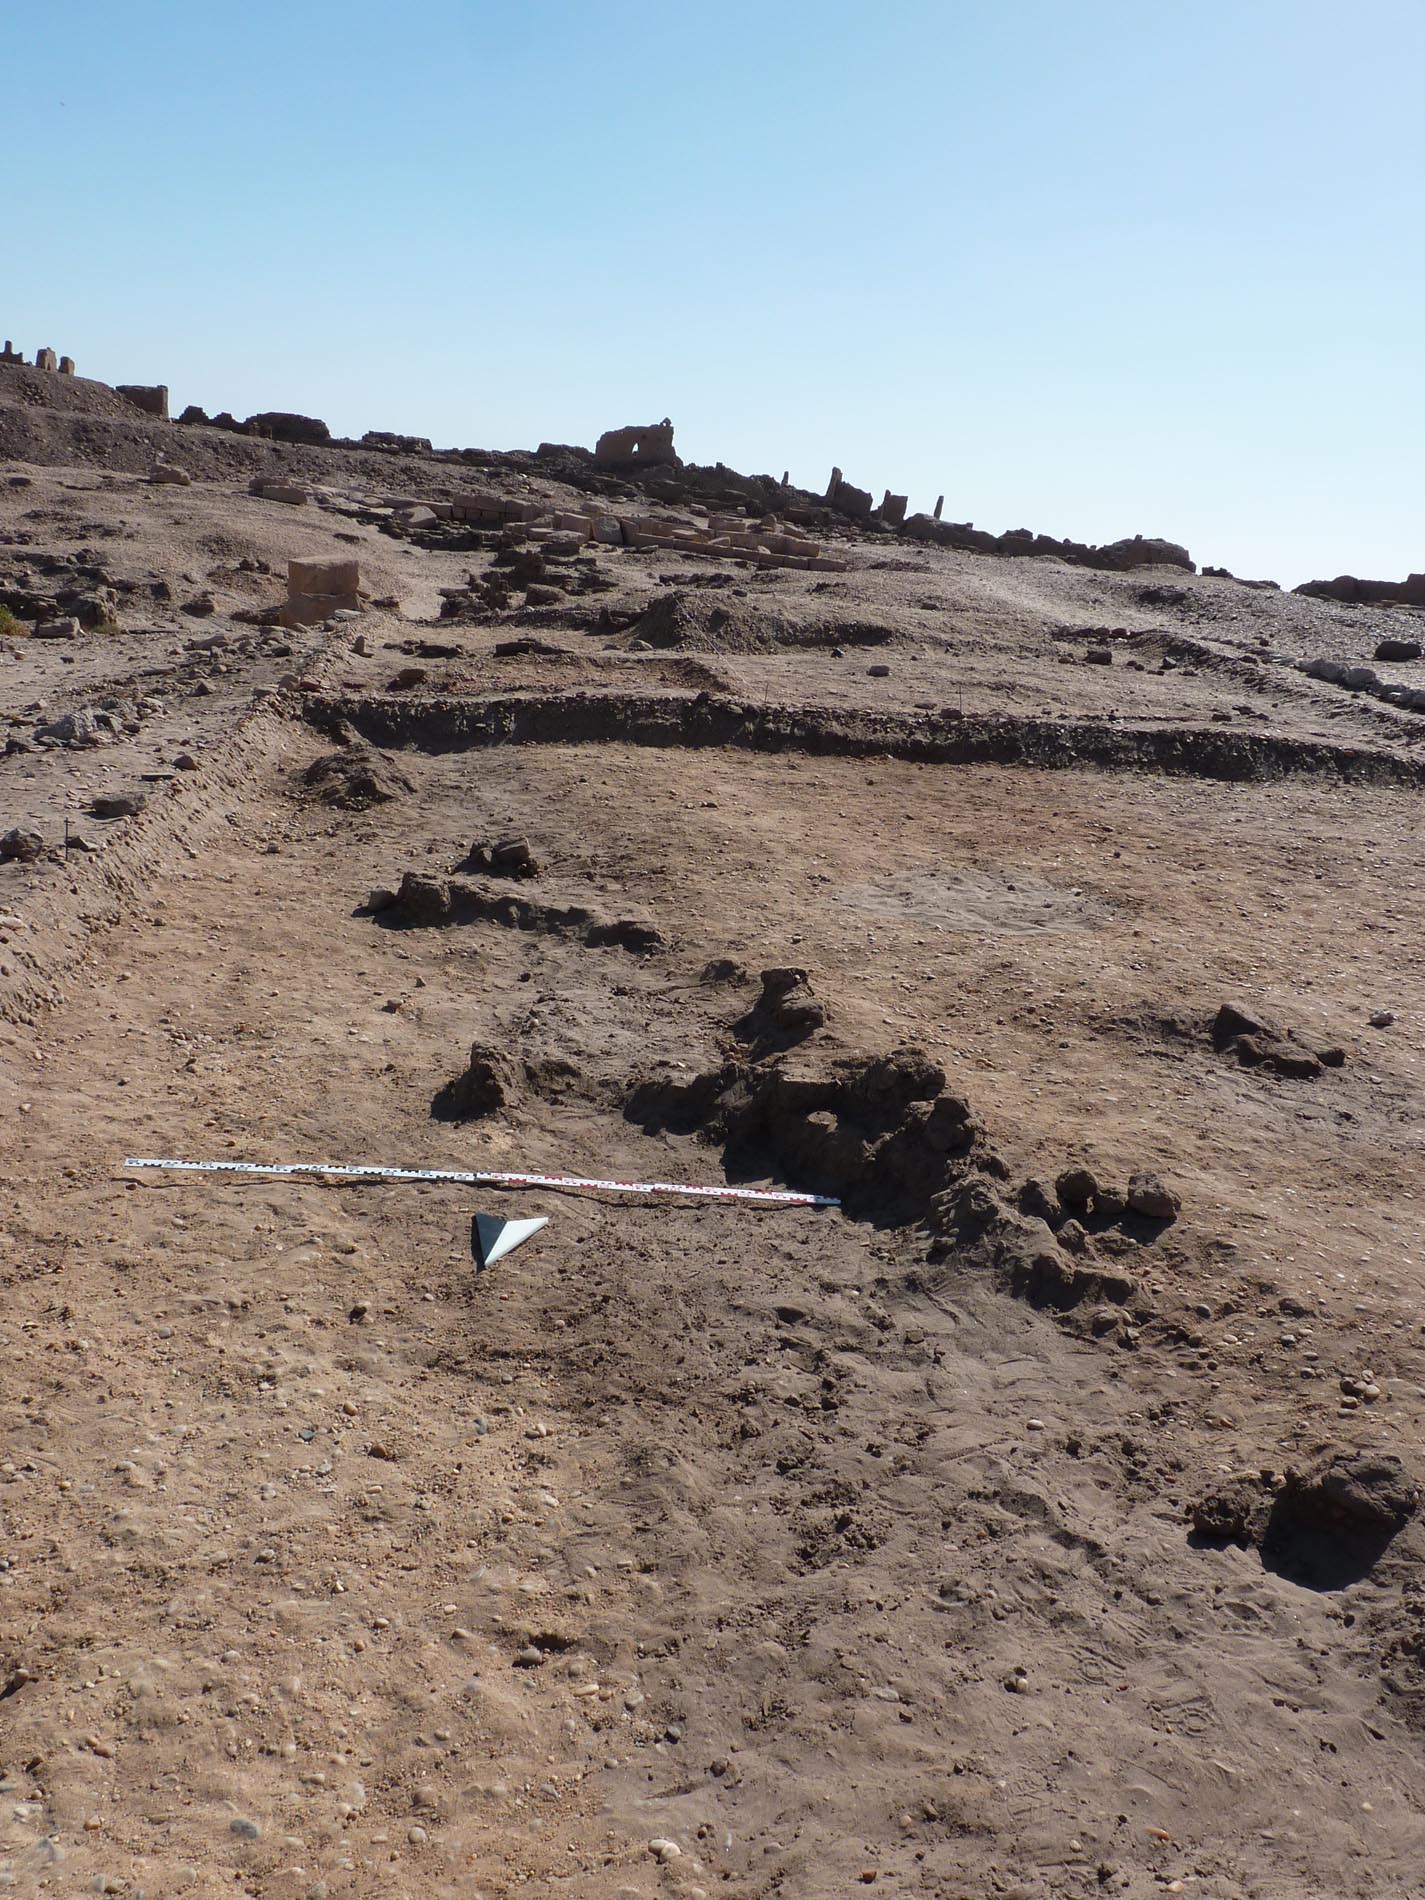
(785, 1013)
(689, 620)
(423, 901)
(1325, 1526)
(1259, 1041)
(486, 1084)
(356, 779)
(880, 1135)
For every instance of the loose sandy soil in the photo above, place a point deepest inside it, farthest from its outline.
(800, 1540)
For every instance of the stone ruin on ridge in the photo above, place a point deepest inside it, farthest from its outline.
(650, 447)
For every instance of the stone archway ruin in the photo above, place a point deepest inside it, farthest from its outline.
(634, 447)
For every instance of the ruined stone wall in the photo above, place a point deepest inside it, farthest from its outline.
(649, 447)
(726, 537)
(1358, 593)
(151, 398)
(1119, 556)
(44, 359)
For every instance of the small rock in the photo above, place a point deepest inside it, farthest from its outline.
(665, 1851)
(1351, 1490)
(1110, 1203)
(1099, 656)
(514, 856)
(20, 846)
(1398, 650)
(245, 1830)
(185, 762)
(165, 472)
(1230, 1515)
(116, 805)
(1076, 1187)
(1382, 1019)
(1038, 1201)
(1149, 1196)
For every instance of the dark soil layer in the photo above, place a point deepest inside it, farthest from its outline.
(946, 738)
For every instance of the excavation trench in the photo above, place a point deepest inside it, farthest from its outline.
(943, 738)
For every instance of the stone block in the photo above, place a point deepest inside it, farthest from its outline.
(66, 366)
(323, 577)
(478, 507)
(277, 488)
(307, 610)
(46, 359)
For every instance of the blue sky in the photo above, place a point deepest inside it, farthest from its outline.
(1084, 266)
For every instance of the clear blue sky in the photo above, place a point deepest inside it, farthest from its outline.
(1092, 267)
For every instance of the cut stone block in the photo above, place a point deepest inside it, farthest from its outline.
(323, 577)
(306, 610)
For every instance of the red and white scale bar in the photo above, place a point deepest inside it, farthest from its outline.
(776, 1196)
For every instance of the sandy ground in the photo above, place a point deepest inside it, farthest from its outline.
(331, 1566)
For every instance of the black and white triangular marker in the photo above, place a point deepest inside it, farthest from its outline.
(492, 1237)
